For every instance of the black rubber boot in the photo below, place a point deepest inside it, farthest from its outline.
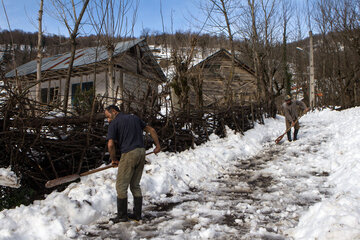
(289, 135)
(295, 134)
(136, 215)
(121, 211)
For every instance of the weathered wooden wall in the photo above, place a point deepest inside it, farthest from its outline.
(215, 73)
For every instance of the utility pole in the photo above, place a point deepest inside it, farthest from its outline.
(312, 74)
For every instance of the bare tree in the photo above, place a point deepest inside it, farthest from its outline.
(181, 59)
(338, 22)
(18, 83)
(39, 53)
(263, 37)
(286, 15)
(113, 20)
(221, 17)
(67, 12)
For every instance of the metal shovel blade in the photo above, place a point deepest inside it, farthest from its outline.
(59, 181)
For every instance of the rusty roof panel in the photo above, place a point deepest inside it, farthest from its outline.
(83, 57)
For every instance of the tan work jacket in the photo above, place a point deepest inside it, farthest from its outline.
(291, 111)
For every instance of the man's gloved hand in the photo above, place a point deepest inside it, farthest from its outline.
(115, 162)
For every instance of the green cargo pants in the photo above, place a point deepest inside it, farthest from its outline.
(130, 170)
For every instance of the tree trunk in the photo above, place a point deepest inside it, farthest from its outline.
(254, 41)
(110, 90)
(39, 54)
(228, 92)
(121, 87)
(73, 35)
(69, 71)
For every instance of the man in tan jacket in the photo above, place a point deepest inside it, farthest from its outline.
(291, 109)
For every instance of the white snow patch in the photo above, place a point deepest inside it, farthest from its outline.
(8, 178)
(329, 142)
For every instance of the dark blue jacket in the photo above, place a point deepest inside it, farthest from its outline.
(127, 131)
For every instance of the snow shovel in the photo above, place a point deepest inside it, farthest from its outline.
(73, 177)
(281, 136)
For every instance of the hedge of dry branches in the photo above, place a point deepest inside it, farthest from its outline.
(40, 144)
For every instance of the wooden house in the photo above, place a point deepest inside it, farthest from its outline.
(214, 73)
(134, 71)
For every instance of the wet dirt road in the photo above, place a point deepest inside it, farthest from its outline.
(257, 199)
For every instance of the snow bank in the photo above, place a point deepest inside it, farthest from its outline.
(339, 216)
(63, 213)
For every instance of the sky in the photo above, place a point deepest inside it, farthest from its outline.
(23, 15)
(237, 187)
(177, 14)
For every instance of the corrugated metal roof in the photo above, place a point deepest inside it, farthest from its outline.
(83, 56)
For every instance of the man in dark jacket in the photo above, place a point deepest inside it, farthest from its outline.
(126, 133)
(291, 111)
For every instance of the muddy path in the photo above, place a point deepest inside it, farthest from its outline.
(251, 201)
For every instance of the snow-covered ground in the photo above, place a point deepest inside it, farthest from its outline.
(238, 187)
(8, 178)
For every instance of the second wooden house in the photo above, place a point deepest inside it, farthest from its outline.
(213, 74)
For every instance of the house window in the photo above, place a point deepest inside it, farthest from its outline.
(74, 89)
(80, 89)
(54, 95)
(86, 86)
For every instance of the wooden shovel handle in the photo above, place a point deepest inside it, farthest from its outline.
(96, 170)
(282, 135)
(73, 177)
(102, 168)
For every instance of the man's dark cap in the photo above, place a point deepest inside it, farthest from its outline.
(116, 108)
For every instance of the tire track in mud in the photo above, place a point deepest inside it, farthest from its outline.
(249, 203)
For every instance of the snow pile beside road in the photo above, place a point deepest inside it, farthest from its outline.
(339, 216)
(328, 146)
(83, 203)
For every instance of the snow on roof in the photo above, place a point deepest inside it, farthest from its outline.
(83, 56)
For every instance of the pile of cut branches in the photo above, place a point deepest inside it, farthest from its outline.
(183, 130)
(40, 143)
